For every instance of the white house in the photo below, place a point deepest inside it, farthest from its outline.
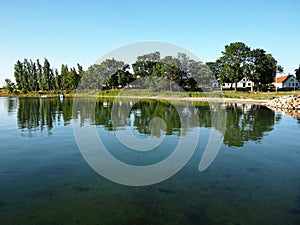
(287, 81)
(244, 83)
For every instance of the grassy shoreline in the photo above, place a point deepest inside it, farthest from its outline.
(191, 96)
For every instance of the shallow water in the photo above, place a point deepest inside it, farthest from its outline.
(255, 178)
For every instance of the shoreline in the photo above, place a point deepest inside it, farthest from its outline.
(170, 98)
(198, 99)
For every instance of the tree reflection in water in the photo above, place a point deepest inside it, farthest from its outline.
(247, 123)
(243, 122)
(38, 114)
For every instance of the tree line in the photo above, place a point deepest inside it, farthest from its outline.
(148, 71)
(34, 76)
(169, 72)
(158, 73)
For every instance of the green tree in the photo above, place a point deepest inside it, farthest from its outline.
(89, 80)
(34, 85)
(72, 79)
(217, 68)
(18, 73)
(124, 76)
(261, 67)
(80, 72)
(64, 76)
(39, 71)
(235, 58)
(145, 64)
(170, 71)
(238, 61)
(47, 76)
(57, 80)
(9, 85)
(108, 73)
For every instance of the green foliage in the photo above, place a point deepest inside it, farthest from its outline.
(232, 65)
(10, 86)
(149, 72)
(108, 74)
(238, 61)
(152, 72)
(32, 76)
(261, 67)
(170, 73)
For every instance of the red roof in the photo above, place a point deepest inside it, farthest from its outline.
(281, 79)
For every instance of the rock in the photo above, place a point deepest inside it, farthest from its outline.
(285, 102)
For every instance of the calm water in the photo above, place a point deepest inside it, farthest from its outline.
(255, 178)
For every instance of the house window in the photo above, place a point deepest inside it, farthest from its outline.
(249, 84)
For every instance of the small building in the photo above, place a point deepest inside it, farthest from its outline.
(287, 81)
(244, 83)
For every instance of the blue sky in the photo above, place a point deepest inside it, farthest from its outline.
(67, 32)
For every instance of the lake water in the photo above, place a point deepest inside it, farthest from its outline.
(44, 179)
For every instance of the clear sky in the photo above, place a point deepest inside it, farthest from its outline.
(71, 31)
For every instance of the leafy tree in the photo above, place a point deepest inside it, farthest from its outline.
(34, 85)
(64, 76)
(80, 72)
(280, 69)
(234, 60)
(218, 70)
(10, 86)
(171, 71)
(57, 80)
(261, 67)
(90, 78)
(46, 76)
(152, 57)
(108, 73)
(72, 79)
(231, 66)
(204, 75)
(39, 75)
(109, 70)
(238, 61)
(145, 64)
(124, 76)
(197, 71)
(18, 73)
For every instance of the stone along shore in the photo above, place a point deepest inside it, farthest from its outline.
(286, 102)
(287, 105)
